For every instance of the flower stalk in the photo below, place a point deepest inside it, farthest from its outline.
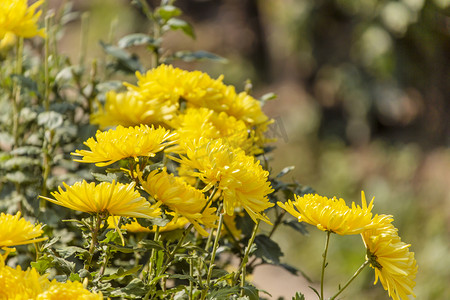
(350, 280)
(324, 263)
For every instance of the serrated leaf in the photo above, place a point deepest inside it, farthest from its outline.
(66, 252)
(126, 61)
(251, 292)
(135, 288)
(175, 24)
(198, 55)
(149, 244)
(168, 11)
(109, 177)
(267, 249)
(42, 264)
(50, 119)
(223, 293)
(137, 39)
(122, 273)
(74, 277)
(298, 226)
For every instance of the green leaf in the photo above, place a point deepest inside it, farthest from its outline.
(298, 226)
(125, 60)
(111, 236)
(198, 55)
(20, 162)
(184, 277)
(110, 85)
(175, 24)
(27, 150)
(122, 273)
(150, 222)
(267, 249)
(74, 277)
(285, 171)
(42, 264)
(168, 11)
(223, 293)
(20, 177)
(109, 177)
(298, 296)
(149, 244)
(251, 292)
(267, 97)
(122, 248)
(66, 252)
(50, 119)
(137, 39)
(26, 83)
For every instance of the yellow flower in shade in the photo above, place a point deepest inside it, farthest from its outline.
(19, 19)
(15, 231)
(18, 284)
(131, 109)
(331, 214)
(391, 259)
(116, 144)
(134, 226)
(115, 199)
(67, 290)
(241, 180)
(183, 199)
(204, 122)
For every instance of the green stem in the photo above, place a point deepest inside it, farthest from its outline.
(95, 231)
(351, 279)
(213, 256)
(247, 252)
(324, 263)
(16, 92)
(152, 256)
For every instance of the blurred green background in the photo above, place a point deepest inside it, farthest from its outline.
(363, 104)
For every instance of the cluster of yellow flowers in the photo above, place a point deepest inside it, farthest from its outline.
(394, 264)
(16, 283)
(211, 135)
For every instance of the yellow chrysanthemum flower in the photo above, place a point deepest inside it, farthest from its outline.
(134, 226)
(131, 109)
(15, 231)
(183, 199)
(115, 199)
(204, 122)
(68, 290)
(331, 214)
(18, 284)
(391, 259)
(116, 144)
(198, 89)
(242, 181)
(19, 19)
